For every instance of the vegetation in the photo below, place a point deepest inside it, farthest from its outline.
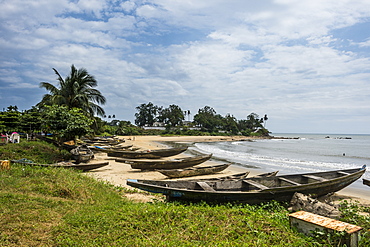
(75, 91)
(65, 123)
(37, 151)
(41, 206)
(206, 120)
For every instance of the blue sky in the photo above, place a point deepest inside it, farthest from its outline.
(306, 64)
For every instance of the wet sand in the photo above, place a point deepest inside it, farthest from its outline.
(117, 173)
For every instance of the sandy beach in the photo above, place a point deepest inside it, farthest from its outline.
(117, 173)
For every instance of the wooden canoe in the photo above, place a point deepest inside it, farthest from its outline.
(148, 154)
(237, 176)
(366, 181)
(82, 153)
(194, 171)
(166, 164)
(81, 166)
(252, 190)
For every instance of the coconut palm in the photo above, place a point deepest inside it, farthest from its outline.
(76, 90)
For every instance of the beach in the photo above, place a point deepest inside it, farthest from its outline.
(117, 173)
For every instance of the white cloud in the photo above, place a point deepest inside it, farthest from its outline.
(281, 58)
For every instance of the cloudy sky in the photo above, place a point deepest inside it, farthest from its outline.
(306, 64)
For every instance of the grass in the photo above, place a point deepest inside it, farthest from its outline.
(41, 206)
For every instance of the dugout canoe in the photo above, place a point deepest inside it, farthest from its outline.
(252, 190)
(148, 154)
(366, 181)
(82, 154)
(81, 166)
(166, 164)
(194, 171)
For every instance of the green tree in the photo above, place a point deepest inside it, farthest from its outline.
(208, 119)
(146, 114)
(64, 123)
(76, 90)
(30, 120)
(265, 118)
(230, 124)
(10, 120)
(126, 128)
(171, 116)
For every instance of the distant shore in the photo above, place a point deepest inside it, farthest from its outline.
(117, 173)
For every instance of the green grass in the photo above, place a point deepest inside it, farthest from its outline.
(41, 206)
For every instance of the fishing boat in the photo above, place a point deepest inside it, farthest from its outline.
(148, 154)
(194, 171)
(82, 153)
(252, 190)
(81, 166)
(166, 164)
(366, 181)
(110, 149)
(237, 176)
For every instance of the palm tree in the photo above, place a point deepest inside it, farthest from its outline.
(76, 90)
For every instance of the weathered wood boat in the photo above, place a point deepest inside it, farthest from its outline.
(148, 154)
(82, 153)
(194, 171)
(252, 190)
(237, 176)
(110, 149)
(366, 181)
(81, 166)
(166, 164)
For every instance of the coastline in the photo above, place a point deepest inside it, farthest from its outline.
(117, 173)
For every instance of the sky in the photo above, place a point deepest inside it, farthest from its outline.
(306, 64)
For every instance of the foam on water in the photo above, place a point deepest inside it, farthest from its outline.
(310, 153)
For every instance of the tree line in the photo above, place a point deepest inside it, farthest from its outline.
(206, 119)
(72, 108)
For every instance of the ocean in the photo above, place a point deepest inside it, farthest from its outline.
(296, 153)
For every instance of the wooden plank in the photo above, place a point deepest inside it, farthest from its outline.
(205, 186)
(315, 178)
(289, 181)
(256, 184)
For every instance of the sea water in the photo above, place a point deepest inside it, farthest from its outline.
(296, 153)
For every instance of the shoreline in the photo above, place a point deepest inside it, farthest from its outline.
(117, 173)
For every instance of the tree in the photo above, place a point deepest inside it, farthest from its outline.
(230, 124)
(171, 116)
(207, 119)
(64, 123)
(10, 120)
(12, 108)
(30, 120)
(146, 114)
(76, 90)
(265, 118)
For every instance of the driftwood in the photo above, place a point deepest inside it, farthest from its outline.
(306, 203)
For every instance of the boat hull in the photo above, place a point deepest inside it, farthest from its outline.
(149, 154)
(81, 166)
(194, 171)
(366, 182)
(166, 164)
(233, 191)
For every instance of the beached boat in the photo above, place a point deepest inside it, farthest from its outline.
(111, 149)
(166, 164)
(81, 166)
(148, 154)
(82, 153)
(366, 181)
(237, 176)
(194, 171)
(252, 190)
